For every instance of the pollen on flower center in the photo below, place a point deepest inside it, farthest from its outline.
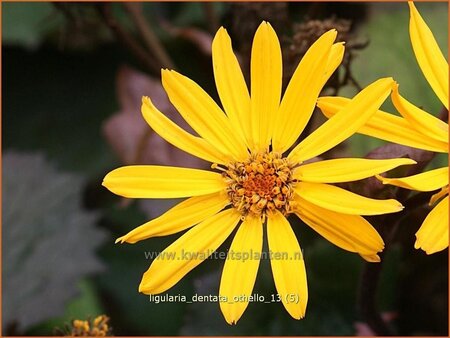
(261, 184)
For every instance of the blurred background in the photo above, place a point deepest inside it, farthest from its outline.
(73, 78)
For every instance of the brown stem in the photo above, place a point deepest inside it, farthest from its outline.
(150, 38)
(369, 283)
(370, 277)
(387, 226)
(443, 115)
(126, 39)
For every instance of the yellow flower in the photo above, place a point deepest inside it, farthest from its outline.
(98, 327)
(252, 183)
(416, 129)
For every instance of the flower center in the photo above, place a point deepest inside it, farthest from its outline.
(262, 184)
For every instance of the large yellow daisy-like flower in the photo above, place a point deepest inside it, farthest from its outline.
(416, 129)
(252, 183)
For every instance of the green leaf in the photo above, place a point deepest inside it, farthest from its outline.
(26, 24)
(49, 241)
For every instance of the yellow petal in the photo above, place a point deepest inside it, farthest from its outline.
(340, 200)
(371, 258)
(428, 55)
(345, 123)
(266, 76)
(385, 126)
(346, 169)
(142, 181)
(188, 251)
(302, 92)
(240, 269)
(179, 137)
(427, 181)
(182, 216)
(420, 120)
(433, 234)
(349, 232)
(437, 196)
(288, 266)
(203, 114)
(230, 83)
(334, 60)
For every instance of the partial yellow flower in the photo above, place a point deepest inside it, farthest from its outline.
(417, 129)
(252, 183)
(97, 327)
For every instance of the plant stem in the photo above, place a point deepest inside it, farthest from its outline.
(366, 298)
(150, 38)
(387, 226)
(126, 39)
